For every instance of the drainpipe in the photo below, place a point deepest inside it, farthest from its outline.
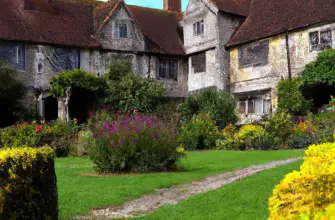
(288, 56)
(149, 67)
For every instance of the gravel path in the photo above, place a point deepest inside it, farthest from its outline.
(152, 202)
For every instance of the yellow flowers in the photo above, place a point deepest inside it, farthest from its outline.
(23, 157)
(181, 150)
(310, 193)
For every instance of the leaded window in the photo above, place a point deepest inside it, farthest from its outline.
(167, 69)
(14, 54)
(320, 40)
(198, 28)
(199, 62)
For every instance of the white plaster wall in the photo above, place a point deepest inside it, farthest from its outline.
(197, 81)
(200, 10)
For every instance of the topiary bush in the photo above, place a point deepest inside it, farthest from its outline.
(308, 193)
(290, 98)
(134, 143)
(199, 133)
(219, 105)
(28, 187)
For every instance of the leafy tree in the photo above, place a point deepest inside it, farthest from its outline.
(290, 98)
(220, 105)
(11, 93)
(318, 78)
(128, 91)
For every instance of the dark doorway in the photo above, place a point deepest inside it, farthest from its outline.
(50, 108)
(82, 102)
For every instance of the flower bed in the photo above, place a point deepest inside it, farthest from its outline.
(59, 136)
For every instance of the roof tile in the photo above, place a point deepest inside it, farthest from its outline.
(272, 17)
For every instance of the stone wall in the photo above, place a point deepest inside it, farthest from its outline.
(218, 29)
(264, 75)
(109, 39)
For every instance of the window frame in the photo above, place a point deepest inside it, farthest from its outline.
(124, 27)
(246, 100)
(14, 48)
(199, 28)
(319, 46)
(260, 62)
(203, 66)
(168, 63)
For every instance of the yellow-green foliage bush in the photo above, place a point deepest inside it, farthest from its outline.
(28, 184)
(251, 135)
(309, 193)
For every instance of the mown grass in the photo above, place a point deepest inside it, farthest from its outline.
(242, 200)
(79, 193)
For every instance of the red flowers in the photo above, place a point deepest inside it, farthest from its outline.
(38, 128)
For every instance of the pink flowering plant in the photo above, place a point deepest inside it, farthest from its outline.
(133, 143)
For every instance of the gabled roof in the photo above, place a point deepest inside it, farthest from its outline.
(272, 17)
(160, 28)
(102, 12)
(46, 22)
(75, 24)
(238, 7)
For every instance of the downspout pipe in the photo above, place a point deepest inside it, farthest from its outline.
(288, 55)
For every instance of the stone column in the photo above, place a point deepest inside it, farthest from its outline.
(62, 110)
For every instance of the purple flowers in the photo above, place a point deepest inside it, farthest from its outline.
(124, 130)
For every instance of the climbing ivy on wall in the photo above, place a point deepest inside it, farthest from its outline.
(76, 79)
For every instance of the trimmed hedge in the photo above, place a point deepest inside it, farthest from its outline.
(28, 187)
(309, 193)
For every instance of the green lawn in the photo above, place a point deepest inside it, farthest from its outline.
(242, 200)
(78, 193)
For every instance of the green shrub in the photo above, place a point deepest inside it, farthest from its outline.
(220, 105)
(28, 187)
(228, 140)
(290, 98)
(11, 93)
(279, 125)
(251, 136)
(199, 133)
(324, 127)
(132, 144)
(76, 79)
(60, 136)
(299, 139)
(318, 78)
(128, 91)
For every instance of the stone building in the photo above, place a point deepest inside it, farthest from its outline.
(244, 46)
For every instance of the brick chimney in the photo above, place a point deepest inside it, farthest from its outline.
(172, 5)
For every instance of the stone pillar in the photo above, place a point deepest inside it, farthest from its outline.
(62, 110)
